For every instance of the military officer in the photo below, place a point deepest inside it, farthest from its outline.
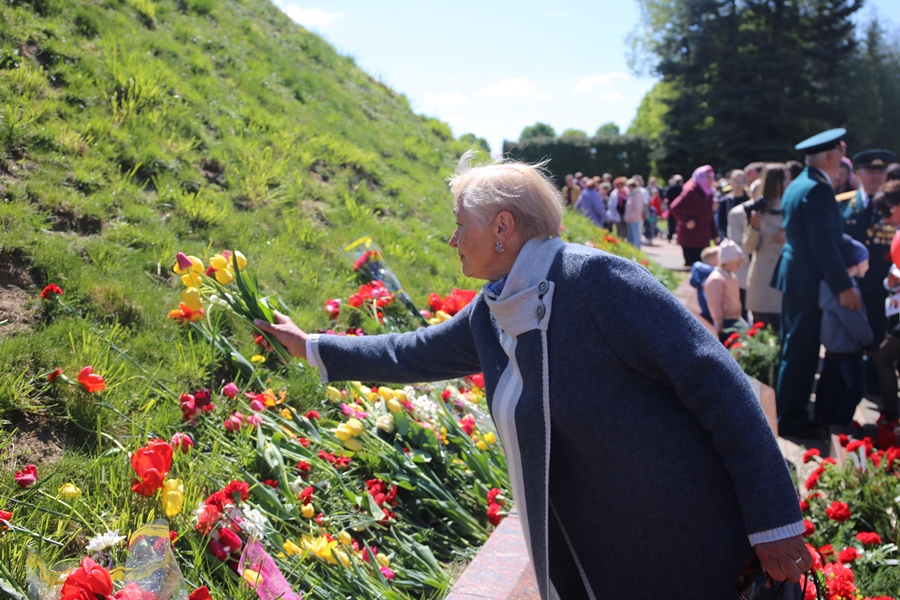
(863, 223)
(813, 227)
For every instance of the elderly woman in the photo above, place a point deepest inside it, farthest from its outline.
(638, 472)
(693, 209)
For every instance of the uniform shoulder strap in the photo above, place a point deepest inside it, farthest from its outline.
(845, 196)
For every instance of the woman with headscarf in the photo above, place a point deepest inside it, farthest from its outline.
(575, 346)
(694, 211)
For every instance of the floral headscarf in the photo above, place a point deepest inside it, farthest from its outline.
(702, 180)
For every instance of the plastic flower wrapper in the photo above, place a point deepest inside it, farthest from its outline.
(45, 581)
(368, 262)
(261, 572)
(151, 564)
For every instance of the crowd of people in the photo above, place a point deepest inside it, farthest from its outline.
(803, 249)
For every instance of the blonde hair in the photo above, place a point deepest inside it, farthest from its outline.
(524, 190)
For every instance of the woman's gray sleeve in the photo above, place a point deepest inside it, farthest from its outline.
(431, 353)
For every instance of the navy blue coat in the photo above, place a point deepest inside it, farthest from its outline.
(662, 461)
(813, 226)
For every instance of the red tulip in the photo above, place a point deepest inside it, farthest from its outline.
(231, 540)
(90, 381)
(26, 477)
(183, 442)
(151, 463)
(87, 582)
(51, 289)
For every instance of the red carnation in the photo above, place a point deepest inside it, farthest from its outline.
(50, 290)
(848, 555)
(54, 374)
(312, 414)
(306, 495)
(493, 514)
(236, 491)
(838, 511)
(303, 467)
(808, 527)
(827, 551)
(151, 463)
(868, 538)
(855, 445)
(6, 516)
(808, 455)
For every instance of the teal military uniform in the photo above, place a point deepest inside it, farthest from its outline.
(813, 226)
(864, 224)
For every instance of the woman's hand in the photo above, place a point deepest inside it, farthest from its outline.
(779, 238)
(784, 559)
(285, 331)
(755, 219)
(691, 224)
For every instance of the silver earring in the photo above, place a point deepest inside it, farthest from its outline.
(498, 247)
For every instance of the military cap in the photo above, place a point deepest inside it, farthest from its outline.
(822, 142)
(874, 159)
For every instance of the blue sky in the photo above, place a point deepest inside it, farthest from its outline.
(492, 68)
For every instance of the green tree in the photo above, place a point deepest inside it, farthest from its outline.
(608, 129)
(474, 141)
(574, 134)
(874, 91)
(537, 130)
(651, 113)
(750, 78)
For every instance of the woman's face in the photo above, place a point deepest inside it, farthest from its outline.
(475, 245)
(842, 175)
(894, 217)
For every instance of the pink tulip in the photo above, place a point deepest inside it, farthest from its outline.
(234, 422)
(257, 405)
(26, 477)
(184, 262)
(231, 390)
(183, 441)
(254, 420)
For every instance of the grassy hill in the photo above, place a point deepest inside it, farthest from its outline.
(134, 129)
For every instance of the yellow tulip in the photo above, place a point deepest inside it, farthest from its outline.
(69, 491)
(307, 511)
(257, 358)
(342, 433)
(224, 276)
(481, 445)
(253, 578)
(354, 426)
(442, 316)
(292, 549)
(286, 413)
(342, 556)
(394, 406)
(191, 279)
(218, 262)
(191, 297)
(196, 264)
(372, 396)
(353, 445)
(490, 438)
(345, 538)
(386, 393)
(332, 393)
(321, 547)
(400, 395)
(241, 260)
(172, 497)
(384, 560)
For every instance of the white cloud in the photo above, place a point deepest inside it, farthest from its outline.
(435, 102)
(610, 97)
(513, 87)
(589, 82)
(558, 13)
(458, 123)
(310, 17)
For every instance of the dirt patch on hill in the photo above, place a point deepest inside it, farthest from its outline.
(38, 439)
(16, 305)
(65, 220)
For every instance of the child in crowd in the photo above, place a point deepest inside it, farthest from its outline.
(723, 291)
(700, 270)
(845, 334)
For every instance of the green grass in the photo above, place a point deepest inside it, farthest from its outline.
(134, 129)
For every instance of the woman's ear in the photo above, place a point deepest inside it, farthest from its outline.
(505, 224)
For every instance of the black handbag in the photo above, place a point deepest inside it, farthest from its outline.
(755, 584)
